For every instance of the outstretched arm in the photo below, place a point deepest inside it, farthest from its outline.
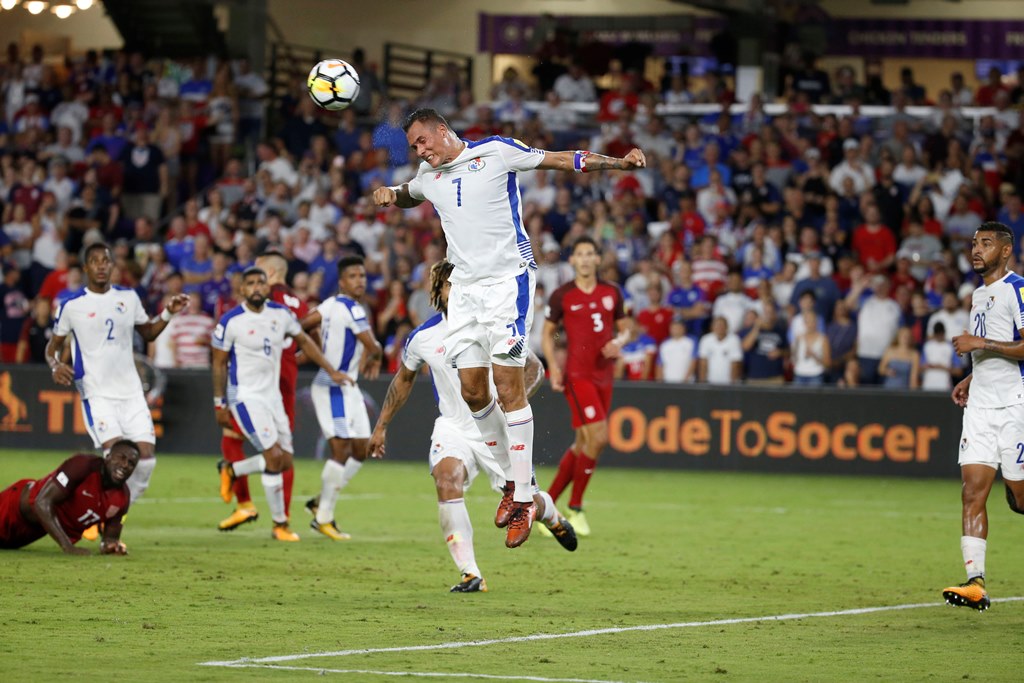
(397, 195)
(586, 162)
(398, 394)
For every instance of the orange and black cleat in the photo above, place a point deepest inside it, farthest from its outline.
(505, 506)
(970, 594)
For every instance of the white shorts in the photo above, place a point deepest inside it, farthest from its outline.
(994, 437)
(340, 411)
(447, 443)
(108, 419)
(496, 318)
(264, 423)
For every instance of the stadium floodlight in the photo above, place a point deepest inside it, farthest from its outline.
(63, 10)
(8, 4)
(35, 6)
(83, 4)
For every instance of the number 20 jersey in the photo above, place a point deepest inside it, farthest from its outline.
(997, 313)
(102, 329)
(477, 197)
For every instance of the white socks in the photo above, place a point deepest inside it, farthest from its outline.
(139, 481)
(273, 486)
(334, 478)
(973, 549)
(494, 430)
(458, 534)
(550, 515)
(252, 465)
(520, 434)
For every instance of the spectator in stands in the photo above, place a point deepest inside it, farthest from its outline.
(812, 354)
(733, 303)
(656, 317)
(636, 361)
(145, 177)
(878, 319)
(14, 311)
(676, 356)
(874, 243)
(962, 95)
(190, 333)
(1012, 216)
(35, 333)
(842, 341)
(900, 364)
(720, 355)
(852, 167)
(765, 347)
(940, 364)
(575, 85)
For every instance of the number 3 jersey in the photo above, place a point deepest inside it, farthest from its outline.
(589, 320)
(254, 342)
(477, 197)
(102, 330)
(997, 313)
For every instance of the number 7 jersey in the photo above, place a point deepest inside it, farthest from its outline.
(997, 313)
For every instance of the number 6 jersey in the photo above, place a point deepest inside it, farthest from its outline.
(254, 342)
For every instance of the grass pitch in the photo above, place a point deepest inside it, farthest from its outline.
(708, 558)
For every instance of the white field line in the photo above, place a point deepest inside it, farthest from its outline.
(217, 499)
(426, 674)
(250, 661)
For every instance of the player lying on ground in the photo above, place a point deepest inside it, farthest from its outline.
(457, 452)
(85, 490)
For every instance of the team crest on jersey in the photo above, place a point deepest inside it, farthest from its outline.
(608, 302)
(273, 326)
(120, 307)
(477, 164)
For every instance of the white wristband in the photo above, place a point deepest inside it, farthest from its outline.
(166, 315)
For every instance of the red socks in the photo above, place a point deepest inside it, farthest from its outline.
(581, 477)
(566, 467)
(289, 479)
(234, 451)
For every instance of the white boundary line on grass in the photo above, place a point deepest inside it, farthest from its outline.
(427, 674)
(256, 661)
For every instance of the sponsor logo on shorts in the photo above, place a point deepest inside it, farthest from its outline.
(265, 433)
(963, 444)
(589, 412)
(518, 447)
(101, 426)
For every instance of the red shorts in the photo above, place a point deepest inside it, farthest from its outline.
(15, 532)
(589, 402)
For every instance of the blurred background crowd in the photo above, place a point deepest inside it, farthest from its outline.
(797, 247)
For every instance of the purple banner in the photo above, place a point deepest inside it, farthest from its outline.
(677, 34)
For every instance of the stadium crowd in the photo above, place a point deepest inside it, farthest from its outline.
(801, 247)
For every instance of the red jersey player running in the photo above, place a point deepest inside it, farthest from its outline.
(232, 442)
(85, 490)
(591, 311)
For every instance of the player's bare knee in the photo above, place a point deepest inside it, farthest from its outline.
(1015, 497)
(274, 457)
(449, 479)
(476, 396)
(341, 449)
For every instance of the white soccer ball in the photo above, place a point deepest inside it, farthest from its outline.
(333, 84)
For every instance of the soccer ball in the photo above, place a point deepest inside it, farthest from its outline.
(333, 84)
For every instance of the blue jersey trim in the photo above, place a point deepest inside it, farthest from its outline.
(348, 351)
(497, 138)
(77, 295)
(430, 322)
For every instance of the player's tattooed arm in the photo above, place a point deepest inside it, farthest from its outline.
(397, 195)
(965, 343)
(398, 393)
(582, 161)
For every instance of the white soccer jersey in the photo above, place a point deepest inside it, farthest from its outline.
(425, 346)
(102, 329)
(341, 319)
(997, 313)
(477, 197)
(254, 342)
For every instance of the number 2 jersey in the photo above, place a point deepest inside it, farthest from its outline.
(102, 329)
(589, 320)
(997, 313)
(477, 197)
(254, 342)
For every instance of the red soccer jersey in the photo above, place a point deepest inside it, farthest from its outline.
(589, 322)
(283, 295)
(88, 502)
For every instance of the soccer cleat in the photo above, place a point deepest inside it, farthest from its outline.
(970, 594)
(470, 584)
(92, 533)
(330, 530)
(281, 532)
(578, 520)
(311, 505)
(243, 514)
(505, 506)
(227, 478)
(563, 532)
(519, 524)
